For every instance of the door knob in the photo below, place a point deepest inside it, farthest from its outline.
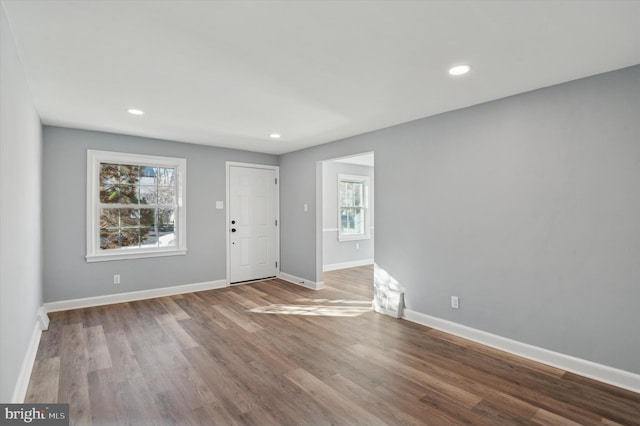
(233, 229)
(233, 222)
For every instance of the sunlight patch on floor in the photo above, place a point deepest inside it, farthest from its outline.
(313, 310)
(346, 302)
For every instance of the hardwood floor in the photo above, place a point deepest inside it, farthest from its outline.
(273, 353)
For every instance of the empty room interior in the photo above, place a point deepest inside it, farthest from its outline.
(320, 212)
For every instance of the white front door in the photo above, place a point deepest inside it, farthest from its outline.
(252, 223)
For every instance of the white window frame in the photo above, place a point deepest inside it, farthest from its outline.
(365, 180)
(94, 158)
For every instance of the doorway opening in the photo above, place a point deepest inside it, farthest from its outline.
(347, 222)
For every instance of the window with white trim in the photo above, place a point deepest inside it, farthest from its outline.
(353, 199)
(136, 206)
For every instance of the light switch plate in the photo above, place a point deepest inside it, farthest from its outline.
(219, 205)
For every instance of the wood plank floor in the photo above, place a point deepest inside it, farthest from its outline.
(273, 353)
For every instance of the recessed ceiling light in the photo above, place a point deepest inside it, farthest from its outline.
(459, 69)
(134, 111)
(274, 135)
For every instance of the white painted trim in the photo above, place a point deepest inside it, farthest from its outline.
(228, 166)
(345, 160)
(592, 370)
(134, 255)
(301, 281)
(22, 384)
(110, 299)
(336, 229)
(344, 265)
(43, 318)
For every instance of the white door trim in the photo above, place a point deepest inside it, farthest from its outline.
(228, 166)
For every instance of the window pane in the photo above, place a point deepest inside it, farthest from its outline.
(109, 174)
(148, 176)
(147, 217)
(351, 194)
(352, 221)
(165, 176)
(346, 194)
(344, 220)
(128, 194)
(109, 239)
(147, 227)
(130, 237)
(147, 172)
(120, 228)
(109, 179)
(123, 194)
(129, 174)
(166, 195)
(150, 238)
(119, 218)
(358, 219)
(129, 228)
(119, 183)
(129, 218)
(148, 194)
(166, 227)
(110, 194)
(357, 194)
(109, 218)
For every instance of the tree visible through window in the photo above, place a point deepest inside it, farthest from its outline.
(135, 206)
(352, 207)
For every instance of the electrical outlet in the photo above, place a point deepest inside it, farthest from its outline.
(455, 302)
(357, 246)
(116, 279)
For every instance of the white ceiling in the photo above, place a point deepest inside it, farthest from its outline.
(229, 73)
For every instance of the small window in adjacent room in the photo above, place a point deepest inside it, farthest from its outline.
(353, 199)
(136, 206)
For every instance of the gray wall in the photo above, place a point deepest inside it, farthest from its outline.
(335, 251)
(527, 208)
(20, 213)
(66, 273)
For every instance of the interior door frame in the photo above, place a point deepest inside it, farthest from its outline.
(228, 165)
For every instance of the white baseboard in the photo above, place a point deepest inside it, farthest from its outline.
(301, 281)
(110, 299)
(613, 376)
(22, 384)
(43, 318)
(344, 265)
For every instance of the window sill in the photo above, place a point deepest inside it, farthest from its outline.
(136, 255)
